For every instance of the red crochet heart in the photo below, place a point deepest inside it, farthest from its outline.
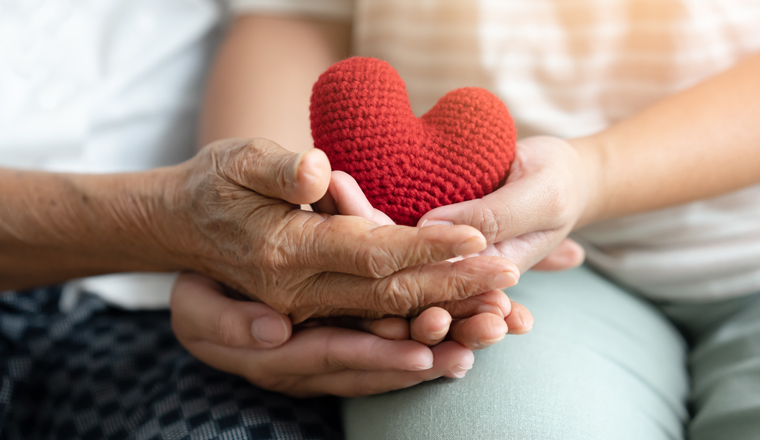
(460, 150)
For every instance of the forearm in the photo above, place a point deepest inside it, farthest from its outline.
(696, 144)
(54, 227)
(261, 82)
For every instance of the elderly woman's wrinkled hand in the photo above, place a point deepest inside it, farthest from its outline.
(237, 218)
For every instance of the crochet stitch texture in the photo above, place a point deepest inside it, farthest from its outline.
(459, 150)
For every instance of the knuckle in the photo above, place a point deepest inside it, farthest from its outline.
(458, 284)
(328, 359)
(269, 260)
(376, 261)
(461, 285)
(488, 222)
(231, 160)
(230, 334)
(276, 250)
(249, 160)
(399, 296)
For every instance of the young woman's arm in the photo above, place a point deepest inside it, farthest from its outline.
(261, 81)
(695, 144)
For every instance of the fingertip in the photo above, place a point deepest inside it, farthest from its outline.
(390, 328)
(472, 245)
(421, 360)
(312, 172)
(431, 326)
(481, 331)
(520, 321)
(527, 319)
(567, 255)
(452, 352)
(495, 302)
(271, 330)
(576, 254)
(349, 197)
(465, 239)
(453, 358)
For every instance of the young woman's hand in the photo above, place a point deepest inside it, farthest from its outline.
(528, 219)
(254, 341)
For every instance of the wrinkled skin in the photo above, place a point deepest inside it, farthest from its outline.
(240, 201)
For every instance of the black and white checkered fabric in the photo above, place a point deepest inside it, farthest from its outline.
(98, 372)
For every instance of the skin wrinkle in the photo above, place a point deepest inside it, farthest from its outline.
(490, 221)
(373, 259)
(403, 297)
(147, 214)
(227, 330)
(457, 280)
(327, 361)
(318, 227)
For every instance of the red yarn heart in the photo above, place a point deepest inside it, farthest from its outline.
(460, 150)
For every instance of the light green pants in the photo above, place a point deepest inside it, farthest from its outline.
(600, 363)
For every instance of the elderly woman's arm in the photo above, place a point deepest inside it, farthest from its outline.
(54, 227)
(232, 212)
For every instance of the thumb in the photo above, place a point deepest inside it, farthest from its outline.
(270, 170)
(201, 312)
(567, 255)
(345, 197)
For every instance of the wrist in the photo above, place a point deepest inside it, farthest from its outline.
(129, 216)
(592, 155)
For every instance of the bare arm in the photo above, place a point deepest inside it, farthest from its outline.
(696, 144)
(261, 81)
(55, 227)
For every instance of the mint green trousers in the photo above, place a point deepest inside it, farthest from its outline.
(600, 363)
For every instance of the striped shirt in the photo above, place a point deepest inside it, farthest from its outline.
(572, 68)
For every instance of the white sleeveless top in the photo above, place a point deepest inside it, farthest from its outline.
(571, 69)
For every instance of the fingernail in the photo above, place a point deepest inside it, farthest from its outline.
(460, 370)
(519, 320)
(505, 279)
(434, 336)
(427, 222)
(420, 367)
(527, 320)
(489, 308)
(470, 246)
(489, 342)
(269, 330)
(299, 159)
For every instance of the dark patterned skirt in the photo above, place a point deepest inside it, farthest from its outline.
(99, 372)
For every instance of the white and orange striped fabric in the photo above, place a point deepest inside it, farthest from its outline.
(570, 68)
